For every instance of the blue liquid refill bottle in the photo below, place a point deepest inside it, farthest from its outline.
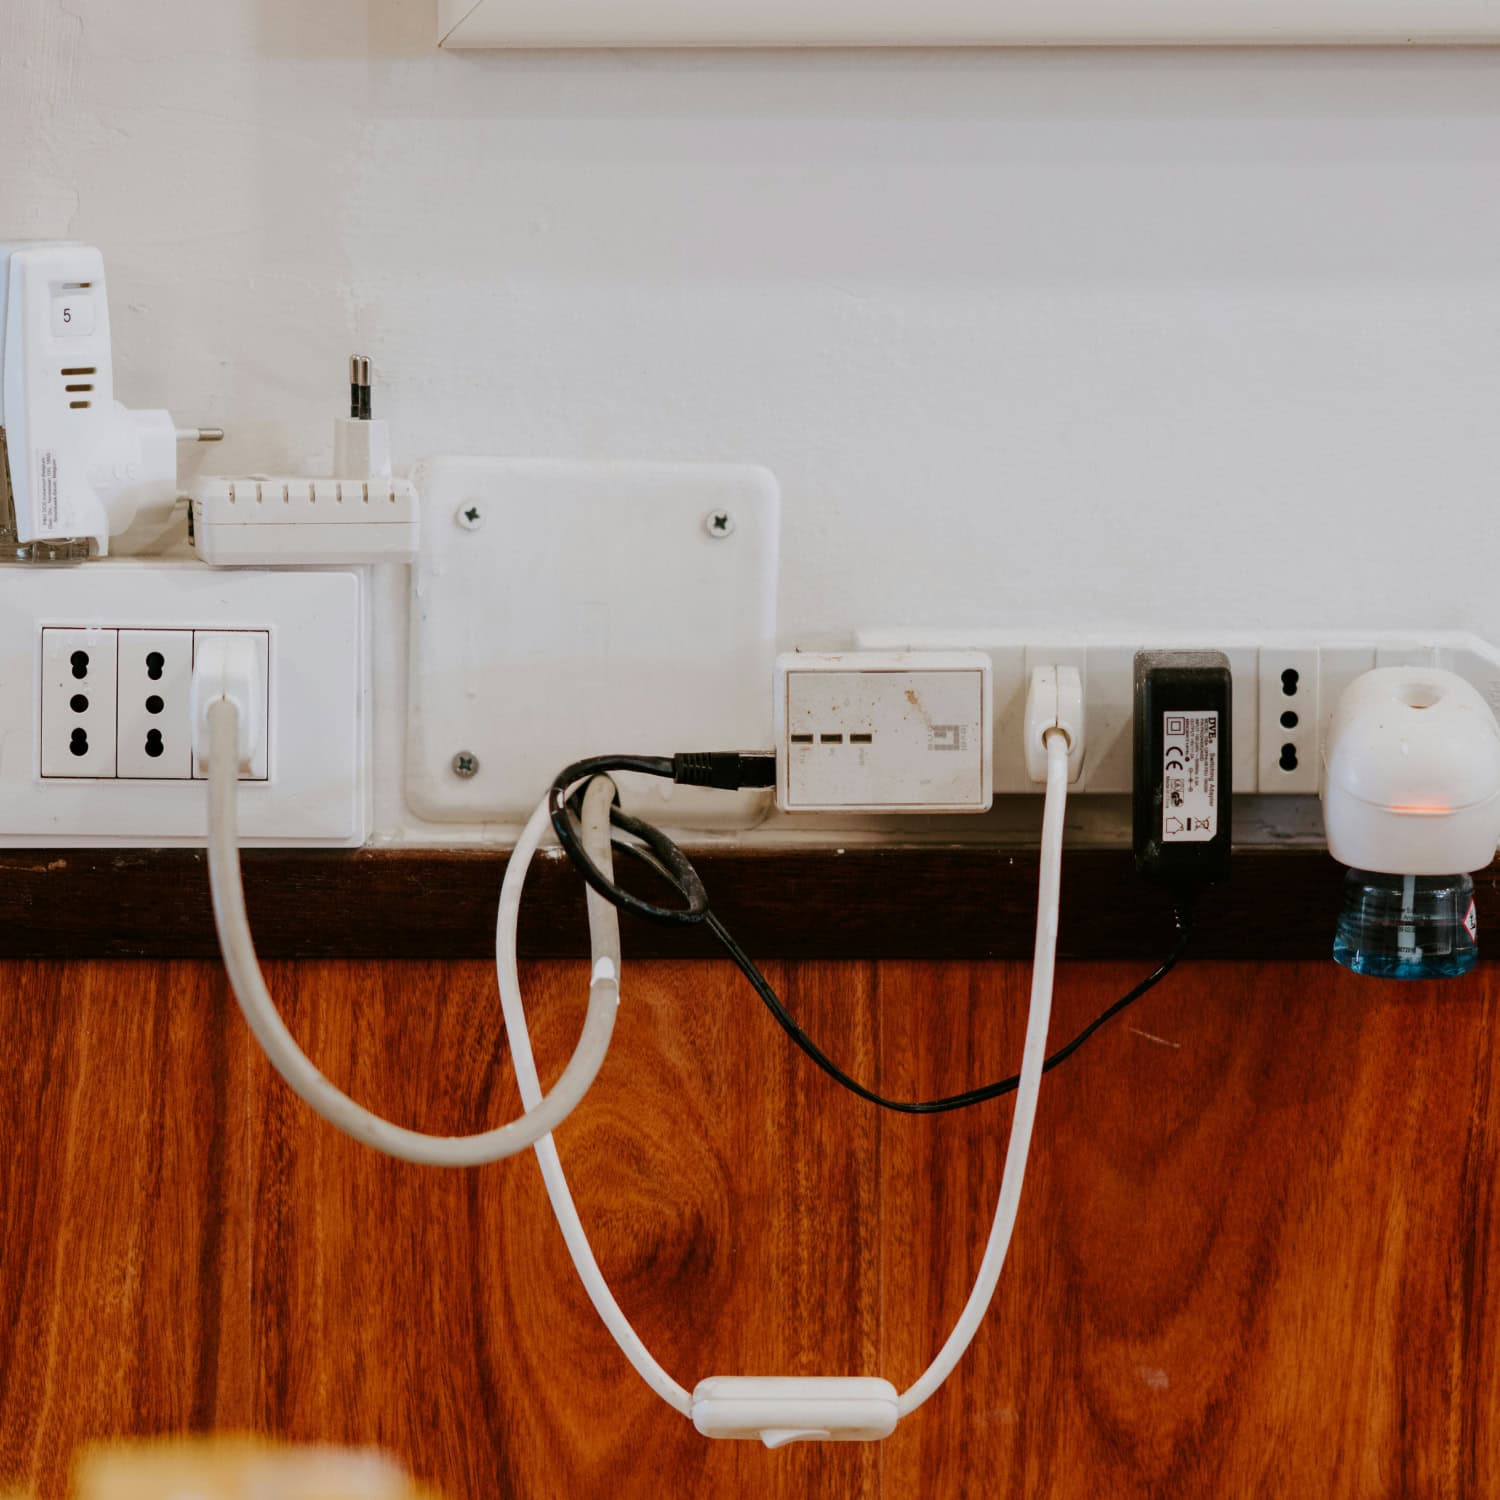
(1407, 926)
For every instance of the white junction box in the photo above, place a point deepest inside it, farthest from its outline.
(1286, 687)
(96, 671)
(560, 610)
(884, 732)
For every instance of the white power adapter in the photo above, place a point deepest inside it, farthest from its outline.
(79, 473)
(358, 515)
(884, 731)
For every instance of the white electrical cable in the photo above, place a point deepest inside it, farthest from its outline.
(542, 1113)
(604, 933)
(1033, 1056)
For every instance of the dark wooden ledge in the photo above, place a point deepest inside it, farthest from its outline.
(922, 902)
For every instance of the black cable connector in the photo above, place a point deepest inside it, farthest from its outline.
(728, 770)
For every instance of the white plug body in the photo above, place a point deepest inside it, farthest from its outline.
(362, 448)
(1054, 700)
(82, 469)
(1411, 778)
(228, 666)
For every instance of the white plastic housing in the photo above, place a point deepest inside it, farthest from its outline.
(958, 23)
(884, 731)
(1054, 701)
(362, 446)
(230, 665)
(308, 782)
(565, 609)
(282, 520)
(780, 1409)
(82, 467)
(1411, 783)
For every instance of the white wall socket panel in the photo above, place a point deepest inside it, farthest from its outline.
(569, 609)
(96, 664)
(884, 732)
(1286, 686)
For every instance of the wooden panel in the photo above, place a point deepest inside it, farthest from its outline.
(860, 903)
(1255, 1253)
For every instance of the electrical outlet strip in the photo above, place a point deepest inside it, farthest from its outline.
(276, 520)
(1286, 686)
(96, 675)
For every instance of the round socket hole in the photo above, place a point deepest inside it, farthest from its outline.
(80, 663)
(154, 746)
(1289, 681)
(1288, 757)
(154, 705)
(1419, 694)
(78, 744)
(155, 661)
(1289, 720)
(79, 703)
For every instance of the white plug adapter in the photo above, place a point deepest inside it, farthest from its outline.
(80, 475)
(884, 731)
(361, 441)
(358, 515)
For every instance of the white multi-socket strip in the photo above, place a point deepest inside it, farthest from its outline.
(276, 520)
(1286, 686)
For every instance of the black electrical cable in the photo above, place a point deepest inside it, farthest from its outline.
(666, 860)
(676, 867)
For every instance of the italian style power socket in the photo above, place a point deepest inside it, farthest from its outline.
(116, 704)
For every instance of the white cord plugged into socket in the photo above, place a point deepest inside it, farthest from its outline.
(227, 666)
(1054, 700)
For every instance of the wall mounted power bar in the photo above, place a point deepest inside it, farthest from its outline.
(1286, 686)
(96, 679)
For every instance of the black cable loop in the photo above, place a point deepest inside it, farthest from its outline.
(667, 861)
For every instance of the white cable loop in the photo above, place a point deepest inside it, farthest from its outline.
(542, 1113)
(604, 934)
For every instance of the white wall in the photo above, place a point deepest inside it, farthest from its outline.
(1191, 338)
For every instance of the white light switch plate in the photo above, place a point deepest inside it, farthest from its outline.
(569, 609)
(310, 789)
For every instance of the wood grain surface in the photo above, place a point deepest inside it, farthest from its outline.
(1256, 1253)
(863, 902)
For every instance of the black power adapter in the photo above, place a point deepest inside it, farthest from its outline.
(1184, 757)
